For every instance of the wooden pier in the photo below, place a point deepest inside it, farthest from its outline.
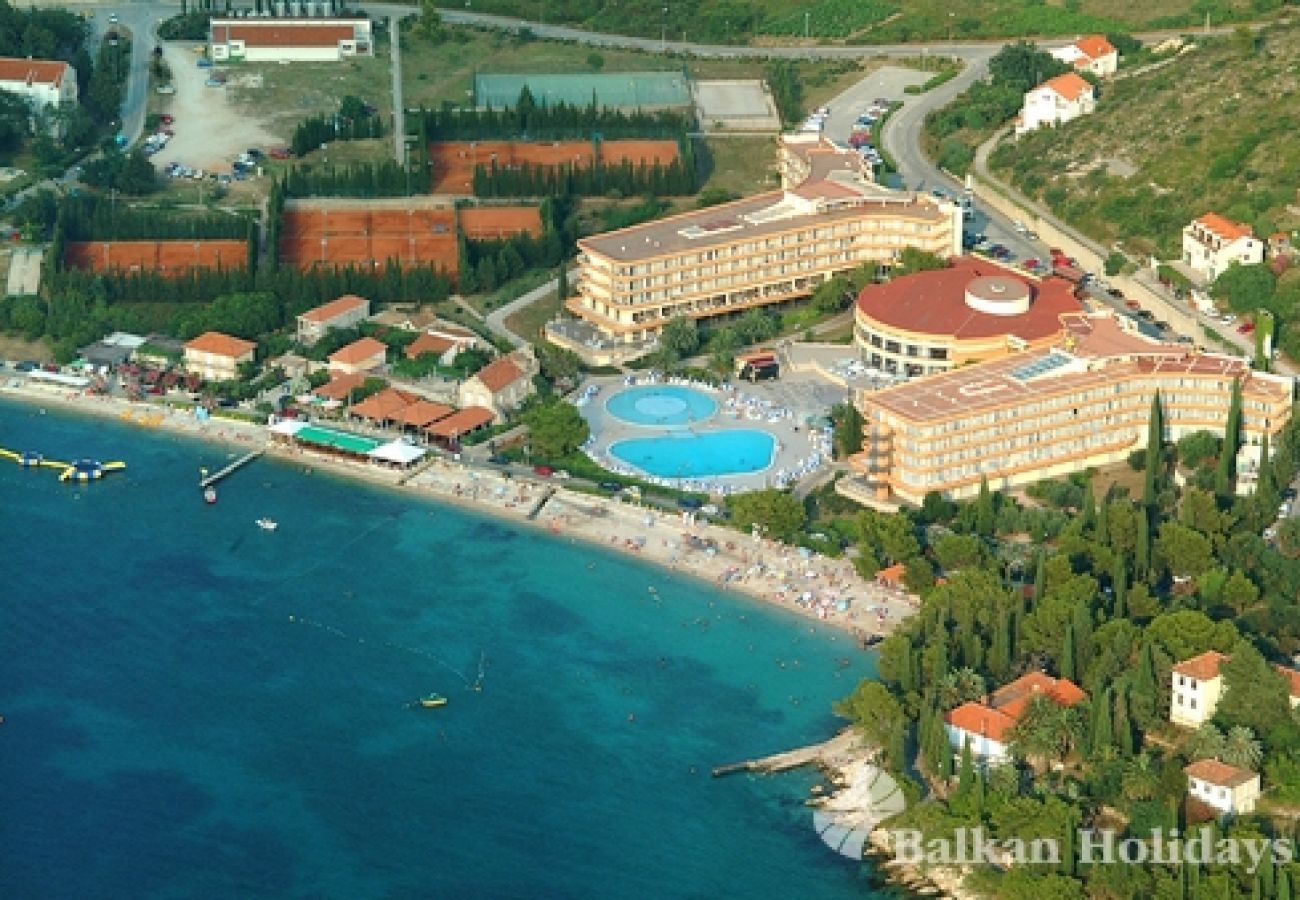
(829, 753)
(232, 467)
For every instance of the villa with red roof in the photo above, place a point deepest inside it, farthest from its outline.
(1225, 788)
(214, 356)
(502, 384)
(1092, 54)
(41, 82)
(344, 312)
(364, 356)
(275, 39)
(987, 726)
(1055, 102)
(972, 311)
(1212, 243)
(1197, 688)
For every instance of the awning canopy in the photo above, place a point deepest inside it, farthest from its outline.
(288, 427)
(399, 452)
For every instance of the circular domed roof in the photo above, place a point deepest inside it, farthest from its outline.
(998, 295)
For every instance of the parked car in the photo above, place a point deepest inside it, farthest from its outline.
(544, 471)
(498, 460)
(690, 502)
(1032, 263)
(1132, 304)
(1245, 327)
(611, 486)
(204, 63)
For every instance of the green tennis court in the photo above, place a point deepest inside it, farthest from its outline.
(644, 90)
(336, 440)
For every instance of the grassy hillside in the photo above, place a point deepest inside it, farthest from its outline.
(871, 21)
(1214, 130)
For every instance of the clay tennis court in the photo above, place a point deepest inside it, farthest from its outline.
(454, 161)
(314, 233)
(163, 257)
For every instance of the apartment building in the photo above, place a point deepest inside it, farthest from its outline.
(41, 82)
(214, 356)
(1212, 243)
(1092, 54)
(273, 39)
(728, 259)
(1044, 413)
(973, 311)
(344, 312)
(1055, 102)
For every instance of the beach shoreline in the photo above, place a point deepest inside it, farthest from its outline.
(776, 574)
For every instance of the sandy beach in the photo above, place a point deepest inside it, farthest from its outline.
(822, 589)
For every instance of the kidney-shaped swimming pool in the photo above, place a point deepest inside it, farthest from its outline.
(683, 454)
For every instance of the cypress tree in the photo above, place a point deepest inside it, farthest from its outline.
(1283, 884)
(1155, 449)
(1142, 553)
(1089, 507)
(1226, 469)
(1000, 648)
(1256, 889)
(1267, 875)
(1103, 524)
(1040, 578)
(1123, 726)
(985, 513)
(1082, 628)
(1101, 733)
(1266, 492)
(941, 666)
(562, 283)
(966, 772)
(1119, 587)
(945, 753)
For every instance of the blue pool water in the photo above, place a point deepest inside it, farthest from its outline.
(682, 454)
(666, 405)
(195, 707)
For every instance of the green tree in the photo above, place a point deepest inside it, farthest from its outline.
(880, 718)
(985, 511)
(1245, 288)
(1205, 742)
(912, 260)
(1226, 469)
(1155, 448)
(1254, 694)
(555, 428)
(848, 429)
(1183, 551)
(680, 337)
(776, 514)
(1114, 263)
(1046, 732)
(1240, 748)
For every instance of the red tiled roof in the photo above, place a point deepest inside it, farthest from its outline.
(499, 374)
(385, 405)
(335, 308)
(338, 387)
(33, 71)
(299, 34)
(1219, 773)
(935, 303)
(1012, 699)
(421, 413)
(1094, 46)
(218, 344)
(976, 718)
(358, 351)
(1292, 679)
(1203, 668)
(1224, 228)
(428, 343)
(892, 574)
(1069, 86)
(461, 422)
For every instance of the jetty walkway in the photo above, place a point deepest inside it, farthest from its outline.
(833, 753)
(244, 460)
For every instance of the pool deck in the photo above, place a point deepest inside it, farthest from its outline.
(794, 444)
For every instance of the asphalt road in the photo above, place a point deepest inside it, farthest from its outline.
(141, 21)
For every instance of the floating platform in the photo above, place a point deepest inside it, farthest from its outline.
(80, 471)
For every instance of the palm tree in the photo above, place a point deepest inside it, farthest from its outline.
(1240, 748)
(1206, 742)
(1046, 733)
(959, 686)
(1141, 780)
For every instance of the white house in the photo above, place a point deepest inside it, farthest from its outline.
(1226, 788)
(1212, 243)
(443, 340)
(344, 312)
(1056, 101)
(41, 82)
(214, 356)
(502, 384)
(987, 726)
(1092, 54)
(1197, 687)
(275, 39)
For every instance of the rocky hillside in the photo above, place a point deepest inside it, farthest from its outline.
(1213, 130)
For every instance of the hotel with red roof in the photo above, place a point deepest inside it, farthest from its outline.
(828, 219)
(41, 82)
(1042, 413)
(972, 311)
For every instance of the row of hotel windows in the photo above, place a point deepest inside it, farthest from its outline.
(875, 226)
(956, 473)
(832, 262)
(983, 444)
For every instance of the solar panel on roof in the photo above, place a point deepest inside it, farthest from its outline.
(1042, 366)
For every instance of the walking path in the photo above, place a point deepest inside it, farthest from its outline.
(399, 107)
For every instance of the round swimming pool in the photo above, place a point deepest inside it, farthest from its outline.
(661, 405)
(683, 454)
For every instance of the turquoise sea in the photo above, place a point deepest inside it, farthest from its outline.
(195, 707)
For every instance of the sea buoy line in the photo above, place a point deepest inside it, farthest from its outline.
(475, 685)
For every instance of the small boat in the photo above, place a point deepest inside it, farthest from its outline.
(433, 701)
(267, 524)
(210, 495)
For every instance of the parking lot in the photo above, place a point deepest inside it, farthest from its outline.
(209, 132)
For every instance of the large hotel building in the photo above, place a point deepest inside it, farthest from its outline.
(1043, 413)
(828, 218)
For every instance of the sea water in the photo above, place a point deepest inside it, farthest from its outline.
(196, 707)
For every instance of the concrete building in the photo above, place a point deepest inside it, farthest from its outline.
(1055, 102)
(728, 259)
(1212, 243)
(344, 312)
(987, 726)
(972, 311)
(444, 341)
(1226, 788)
(1044, 413)
(1197, 688)
(43, 83)
(214, 356)
(362, 357)
(273, 39)
(1092, 54)
(502, 384)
